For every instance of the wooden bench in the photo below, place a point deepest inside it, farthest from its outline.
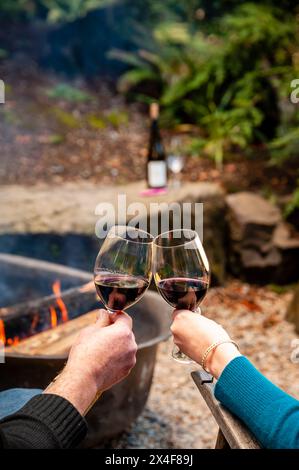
(232, 433)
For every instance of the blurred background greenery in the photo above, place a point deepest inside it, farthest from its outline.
(221, 69)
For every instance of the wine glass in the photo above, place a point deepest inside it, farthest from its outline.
(175, 161)
(181, 272)
(123, 268)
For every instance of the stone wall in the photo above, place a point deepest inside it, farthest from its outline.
(262, 247)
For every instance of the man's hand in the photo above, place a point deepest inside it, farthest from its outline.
(194, 333)
(103, 354)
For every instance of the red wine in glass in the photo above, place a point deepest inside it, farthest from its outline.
(183, 293)
(181, 272)
(123, 268)
(119, 291)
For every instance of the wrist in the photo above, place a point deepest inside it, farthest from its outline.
(220, 357)
(76, 386)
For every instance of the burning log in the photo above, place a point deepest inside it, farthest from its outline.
(54, 342)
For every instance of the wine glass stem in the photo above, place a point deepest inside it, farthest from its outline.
(177, 354)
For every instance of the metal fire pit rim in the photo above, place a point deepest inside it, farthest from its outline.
(45, 265)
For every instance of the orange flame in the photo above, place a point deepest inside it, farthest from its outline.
(9, 341)
(13, 341)
(34, 322)
(2, 332)
(59, 301)
(53, 315)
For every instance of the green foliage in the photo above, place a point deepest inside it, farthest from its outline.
(285, 146)
(65, 118)
(117, 118)
(293, 204)
(10, 116)
(96, 122)
(3, 54)
(280, 290)
(226, 75)
(69, 93)
(224, 129)
(57, 10)
(14, 7)
(69, 10)
(55, 139)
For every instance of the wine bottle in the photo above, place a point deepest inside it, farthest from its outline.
(156, 161)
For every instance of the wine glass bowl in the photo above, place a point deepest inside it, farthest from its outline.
(175, 163)
(175, 160)
(123, 267)
(181, 271)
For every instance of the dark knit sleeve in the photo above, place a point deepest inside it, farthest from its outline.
(45, 422)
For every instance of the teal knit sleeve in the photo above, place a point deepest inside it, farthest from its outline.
(271, 414)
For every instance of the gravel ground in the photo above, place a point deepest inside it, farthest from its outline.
(175, 415)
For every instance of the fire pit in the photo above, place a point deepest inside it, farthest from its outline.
(39, 333)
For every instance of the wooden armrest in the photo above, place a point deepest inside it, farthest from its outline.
(233, 430)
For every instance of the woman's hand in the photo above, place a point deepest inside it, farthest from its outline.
(194, 333)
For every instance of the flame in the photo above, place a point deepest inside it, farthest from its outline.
(13, 341)
(34, 322)
(59, 301)
(9, 341)
(2, 332)
(53, 316)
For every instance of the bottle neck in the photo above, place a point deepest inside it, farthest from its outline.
(155, 150)
(155, 132)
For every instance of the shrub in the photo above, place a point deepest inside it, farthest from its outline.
(55, 10)
(226, 76)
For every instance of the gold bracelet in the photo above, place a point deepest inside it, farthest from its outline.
(211, 348)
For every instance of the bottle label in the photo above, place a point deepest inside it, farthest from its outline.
(157, 175)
